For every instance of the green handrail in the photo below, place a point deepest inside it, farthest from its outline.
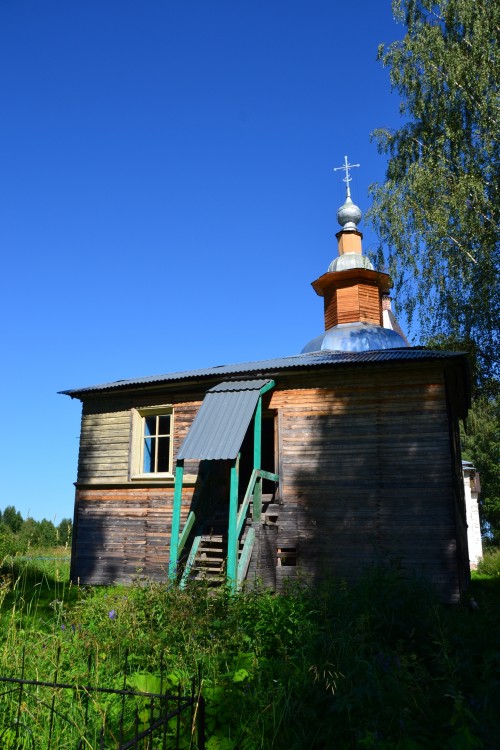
(255, 475)
(190, 561)
(245, 556)
(242, 513)
(191, 517)
(269, 475)
(185, 531)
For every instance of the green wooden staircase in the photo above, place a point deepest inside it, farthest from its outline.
(206, 562)
(221, 551)
(209, 539)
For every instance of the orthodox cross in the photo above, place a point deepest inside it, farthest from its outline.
(347, 177)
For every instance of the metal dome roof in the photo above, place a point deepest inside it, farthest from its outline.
(355, 337)
(349, 215)
(350, 260)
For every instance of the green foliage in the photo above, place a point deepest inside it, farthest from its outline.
(490, 564)
(12, 519)
(64, 532)
(19, 535)
(377, 665)
(438, 212)
(16, 737)
(481, 446)
(9, 543)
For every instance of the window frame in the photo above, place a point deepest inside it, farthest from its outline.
(139, 416)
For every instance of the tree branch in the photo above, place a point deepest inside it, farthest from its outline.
(461, 247)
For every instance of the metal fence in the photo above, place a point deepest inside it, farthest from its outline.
(51, 715)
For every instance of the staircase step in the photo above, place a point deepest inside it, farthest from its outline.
(212, 540)
(207, 572)
(208, 538)
(209, 563)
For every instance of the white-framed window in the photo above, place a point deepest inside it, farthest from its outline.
(152, 432)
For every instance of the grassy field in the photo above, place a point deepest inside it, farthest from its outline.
(376, 665)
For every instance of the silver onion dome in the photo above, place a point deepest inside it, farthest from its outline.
(349, 215)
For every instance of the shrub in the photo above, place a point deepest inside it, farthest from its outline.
(490, 564)
(379, 664)
(9, 543)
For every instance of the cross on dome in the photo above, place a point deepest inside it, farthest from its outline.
(348, 215)
(347, 179)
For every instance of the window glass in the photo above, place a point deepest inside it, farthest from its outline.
(148, 466)
(163, 454)
(156, 454)
(149, 425)
(164, 424)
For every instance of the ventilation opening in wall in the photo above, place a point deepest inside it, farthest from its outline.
(286, 556)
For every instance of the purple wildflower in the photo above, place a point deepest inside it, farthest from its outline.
(112, 614)
(63, 627)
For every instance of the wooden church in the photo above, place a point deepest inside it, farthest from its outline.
(311, 466)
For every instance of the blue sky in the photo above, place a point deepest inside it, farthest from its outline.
(167, 195)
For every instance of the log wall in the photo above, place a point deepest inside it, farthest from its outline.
(123, 534)
(367, 475)
(106, 433)
(122, 526)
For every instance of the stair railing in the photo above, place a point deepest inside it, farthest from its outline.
(191, 558)
(244, 558)
(246, 554)
(254, 488)
(190, 521)
(256, 476)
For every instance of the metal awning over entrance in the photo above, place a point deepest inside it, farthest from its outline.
(217, 433)
(222, 422)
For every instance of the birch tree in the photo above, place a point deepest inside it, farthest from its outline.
(437, 214)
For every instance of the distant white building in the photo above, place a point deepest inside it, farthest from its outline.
(472, 489)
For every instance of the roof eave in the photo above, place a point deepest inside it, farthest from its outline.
(270, 368)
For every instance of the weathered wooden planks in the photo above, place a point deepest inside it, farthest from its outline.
(365, 475)
(350, 304)
(106, 438)
(123, 533)
(367, 472)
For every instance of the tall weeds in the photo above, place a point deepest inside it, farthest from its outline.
(380, 664)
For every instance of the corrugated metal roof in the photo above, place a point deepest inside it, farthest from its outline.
(269, 366)
(222, 421)
(239, 385)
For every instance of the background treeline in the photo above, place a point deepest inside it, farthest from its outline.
(18, 534)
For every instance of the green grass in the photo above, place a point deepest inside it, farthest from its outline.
(377, 665)
(489, 566)
(35, 586)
